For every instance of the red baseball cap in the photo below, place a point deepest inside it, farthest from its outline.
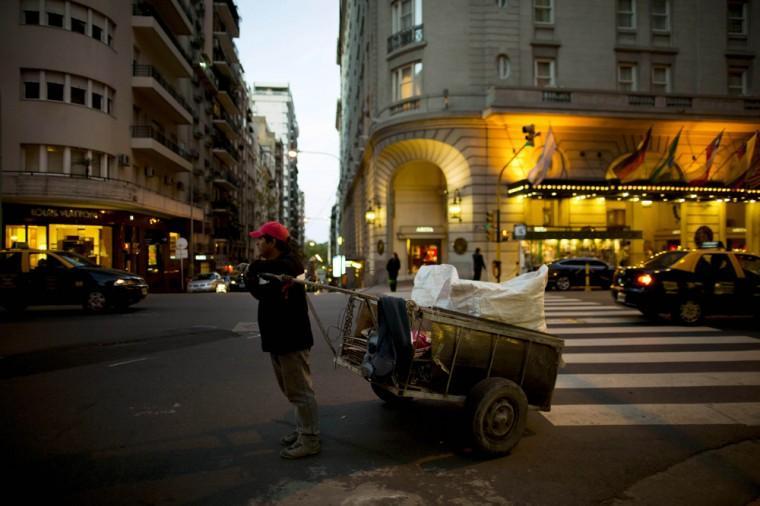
(272, 229)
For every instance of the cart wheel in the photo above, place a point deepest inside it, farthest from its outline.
(499, 410)
(385, 395)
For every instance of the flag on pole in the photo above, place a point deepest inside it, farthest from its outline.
(630, 163)
(659, 172)
(749, 163)
(544, 163)
(710, 151)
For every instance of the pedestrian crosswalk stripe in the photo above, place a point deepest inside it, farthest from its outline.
(567, 307)
(632, 329)
(561, 299)
(594, 319)
(614, 312)
(647, 341)
(739, 413)
(660, 380)
(671, 356)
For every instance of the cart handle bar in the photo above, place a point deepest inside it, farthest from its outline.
(321, 286)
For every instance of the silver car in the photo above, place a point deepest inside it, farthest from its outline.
(208, 282)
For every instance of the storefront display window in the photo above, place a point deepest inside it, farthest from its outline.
(91, 241)
(423, 252)
(32, 236)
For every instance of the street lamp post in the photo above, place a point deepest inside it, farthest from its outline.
(530, 135)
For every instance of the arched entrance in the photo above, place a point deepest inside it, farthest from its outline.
(418, 219)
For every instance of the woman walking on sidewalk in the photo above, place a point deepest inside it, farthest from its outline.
(286, 332)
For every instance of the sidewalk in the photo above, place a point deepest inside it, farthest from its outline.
(403, 290)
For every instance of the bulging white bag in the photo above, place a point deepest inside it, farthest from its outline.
(518, 301)
(432, 285)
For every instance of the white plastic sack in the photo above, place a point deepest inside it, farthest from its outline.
(432, 285)
(518, 301)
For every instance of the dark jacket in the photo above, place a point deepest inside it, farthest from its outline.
(283, 313)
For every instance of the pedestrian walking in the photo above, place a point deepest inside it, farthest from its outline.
(393, 266)
(478, 264)
(286, 332)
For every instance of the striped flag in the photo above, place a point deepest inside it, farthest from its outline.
(544, 163)
(630, 163)
(710, 151)
(749, 164)
(659, 172)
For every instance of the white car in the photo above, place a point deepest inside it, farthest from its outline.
(208, 282)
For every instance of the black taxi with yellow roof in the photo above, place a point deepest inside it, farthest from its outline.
(691, 284)
(31, 277)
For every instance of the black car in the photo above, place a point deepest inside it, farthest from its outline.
(569, 272)
(31, 277)
(237, 278)
(690, 284)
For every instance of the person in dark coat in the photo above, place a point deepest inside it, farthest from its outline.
(286, 331)
(393, 266)
(478, 264)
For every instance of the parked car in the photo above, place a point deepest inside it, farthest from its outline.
(207, 282)
(569, 272)
(30, 277)
(237, 278)
(690, 284)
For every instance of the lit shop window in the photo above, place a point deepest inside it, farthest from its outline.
(33, 236)
(92, 241)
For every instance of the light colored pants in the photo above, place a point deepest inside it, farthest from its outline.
(294, 377)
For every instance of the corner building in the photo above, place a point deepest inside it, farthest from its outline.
(435, 95)
(121, 126)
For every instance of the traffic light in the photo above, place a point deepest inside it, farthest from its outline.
(493, 226)
(530, 134)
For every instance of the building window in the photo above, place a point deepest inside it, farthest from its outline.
(737, 17)
(79, 162)
(737, 81)
(54, 159)
(97, 101)
(78, 90)
(545, 73)
(627, 77)
(501, 3)
(407, 82)
(31, 80)
(55, 10)
(504, 66)
(405, 14)
(626, 14)
(661, 79)
(543, 11)
(31, 157)
(97, 32)
(660, 15)
(55, 85)
(31, 15)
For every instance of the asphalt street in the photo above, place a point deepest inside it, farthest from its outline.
(173, 402)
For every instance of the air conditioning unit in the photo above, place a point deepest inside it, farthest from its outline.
(150, 172)
(123, 160)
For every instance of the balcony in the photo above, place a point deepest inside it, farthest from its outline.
(225, 123)
(89, 191)
(411, 104)
(611, 102)
(225, 180)
(175, 14)
(224, 150)
(224, 41)
(150, 31)
(405, 37)
(228, 15)
(154, 91)
(154, 146)
(229, 98)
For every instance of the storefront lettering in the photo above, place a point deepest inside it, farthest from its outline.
(41, 212)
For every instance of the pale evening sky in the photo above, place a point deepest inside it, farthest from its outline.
(294, 41)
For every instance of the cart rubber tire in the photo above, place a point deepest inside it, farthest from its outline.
(689, 312)
(498, 410)
(385, 395)
(563, 283)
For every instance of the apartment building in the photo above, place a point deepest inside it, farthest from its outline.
(274, 101)
(446, 111)
(124, 129)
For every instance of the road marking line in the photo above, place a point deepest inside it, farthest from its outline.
(659, 380)
(660, 357)
(246, 327)
(594, 319)
(117, 364)
(645, 341)
(739, 413)
(633, 328)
